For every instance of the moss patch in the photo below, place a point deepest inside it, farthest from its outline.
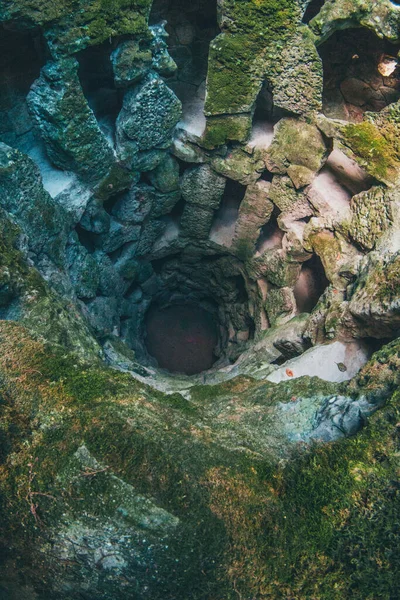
(377, 153)
(321, 524)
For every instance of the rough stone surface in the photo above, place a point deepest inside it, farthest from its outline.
(149, 113)
(296, 143)
(67, 125)
(202, 186)
(375, 301)
(23, 196)
(371, 216)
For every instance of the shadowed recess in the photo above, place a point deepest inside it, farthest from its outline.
(181, 337)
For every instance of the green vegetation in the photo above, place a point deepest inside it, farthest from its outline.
(367, 142)
(320, 525)
(71, 25)
(237, 57)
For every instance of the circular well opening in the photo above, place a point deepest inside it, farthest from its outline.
(181, 337)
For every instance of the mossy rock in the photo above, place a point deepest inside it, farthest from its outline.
(92, 457)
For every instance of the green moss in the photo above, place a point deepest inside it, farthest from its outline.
(367, 142)
(321, 524)
(237, 58)
(388, 281)
(71, 25)
(221, 129)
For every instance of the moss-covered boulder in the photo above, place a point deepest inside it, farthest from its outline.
(72, 26)
(296, 143)
(372, 215)
(22, 195)
(73, 139)
(382, 17)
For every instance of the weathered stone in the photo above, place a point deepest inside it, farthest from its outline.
(371, 216)
(297, 76)
(300, 176)
(130, 62)
(255, 210)
(165, 177)
(149, 160)
(118, 235)
(240, 166)
(149, 114)
(163, 63)
(283, 193)
(102, 314)
(110, 282)
(374, 143)
(135, 205)
(276, 268)
(22, 194)
(149, 233)
(74, 199)
(69, 29)
(280, 305)
(296, 143)
(339, 258)
(95, 219)
(376, 298)
(83, 269)
(127, 265)
(196, 221)
(186, 149)
(202, 186)
(381, 17)
(67, 125)
(223, 128)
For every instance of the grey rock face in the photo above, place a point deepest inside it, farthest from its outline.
(202, 186)
(342, 416)
(375, 303)
(83, 270)
(95, 219)
(127, 265)
(110, 282)
(67, 125)
(102, 314)
(23, 196)
(149, 114)
(135, 205)
(150, 232)
(118, 235)
(196, 221)
(144, 200)
(74, 199)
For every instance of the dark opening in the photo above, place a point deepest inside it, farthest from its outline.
(86, 239)
(22, 55)
(97, 80)
(182, 338)
(223, 227)
(361, 74)
(271, 235)
(191, 27)
(312, 10)
(310, 285)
